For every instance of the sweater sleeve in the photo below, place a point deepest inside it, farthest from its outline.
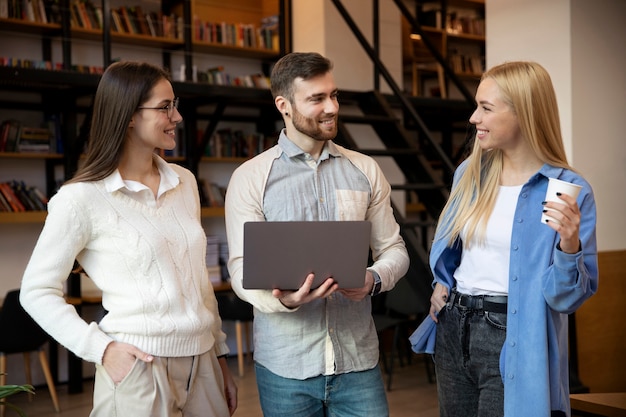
(64, 235)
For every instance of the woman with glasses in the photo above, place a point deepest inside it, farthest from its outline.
(132, 221)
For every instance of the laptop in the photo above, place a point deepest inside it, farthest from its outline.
(282, 254)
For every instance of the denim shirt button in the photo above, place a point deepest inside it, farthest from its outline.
(524, 195)
(512, 343)
(515, 247)
(513, 311)
(520, 220)
(511, 376)
(514, 278)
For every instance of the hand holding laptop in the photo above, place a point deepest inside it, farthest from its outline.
(305, 294)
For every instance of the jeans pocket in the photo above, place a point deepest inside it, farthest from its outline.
(497, 320)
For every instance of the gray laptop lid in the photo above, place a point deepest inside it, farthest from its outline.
(281, 254)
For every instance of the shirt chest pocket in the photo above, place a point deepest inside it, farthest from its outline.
(351, 204)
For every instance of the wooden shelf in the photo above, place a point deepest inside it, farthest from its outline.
(26, 26)
(158, 42)
(30, 155)
(468, 37)
(229, 50)
(22, 217)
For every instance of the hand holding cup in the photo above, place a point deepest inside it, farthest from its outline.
(561, 187)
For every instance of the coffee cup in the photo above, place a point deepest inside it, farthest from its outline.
(558, 186)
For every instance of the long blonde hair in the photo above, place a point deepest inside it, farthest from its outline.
(527, 88)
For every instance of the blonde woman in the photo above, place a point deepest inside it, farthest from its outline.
(504, 281)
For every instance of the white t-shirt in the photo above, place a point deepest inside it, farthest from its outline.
(484, 266)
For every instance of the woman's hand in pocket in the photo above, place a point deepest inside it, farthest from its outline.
(119, 359)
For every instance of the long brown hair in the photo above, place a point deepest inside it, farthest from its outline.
(527, 88)
(124, 86)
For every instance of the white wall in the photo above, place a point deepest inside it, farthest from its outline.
(318, 27)
(599, 110)
(581, 44)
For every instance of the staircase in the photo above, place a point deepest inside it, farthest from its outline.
(426, 179)
(418, 135)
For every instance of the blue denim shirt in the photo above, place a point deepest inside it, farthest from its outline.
(545, 285)
(286, 184)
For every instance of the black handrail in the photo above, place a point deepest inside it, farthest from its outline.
(406, 105)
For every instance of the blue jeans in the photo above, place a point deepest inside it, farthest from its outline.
(355, 394)
(467, 362)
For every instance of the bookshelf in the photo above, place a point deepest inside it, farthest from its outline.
(456, 29)
(43, 83)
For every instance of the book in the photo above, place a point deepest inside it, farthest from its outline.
(116, 21)
(14, 202)
(34, 195)
(19, 189)
(4, 204)
(141, 21)
(34, 139)
(12, 136)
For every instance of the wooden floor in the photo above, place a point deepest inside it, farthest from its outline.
(411, 395)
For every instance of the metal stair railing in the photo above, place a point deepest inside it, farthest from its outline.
(406, 105)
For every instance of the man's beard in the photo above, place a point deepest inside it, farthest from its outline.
(312, 127)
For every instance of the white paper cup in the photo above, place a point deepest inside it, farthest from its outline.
(558, 186)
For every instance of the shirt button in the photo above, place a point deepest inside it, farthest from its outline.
(511, 376)
(512, 344)
(514, 278)
(513, 311)
(520, 220)
(515, 247)
(524, 195)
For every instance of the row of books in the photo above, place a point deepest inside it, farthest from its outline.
(6, 61)
(48, 65)
(16, 196)
(40, 11)
(244, 35)
(217, 76)
(17, 137)
(455, 22)
(466, 63)
(235, 143)
(127, 19)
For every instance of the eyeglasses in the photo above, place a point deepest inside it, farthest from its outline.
(168, 108)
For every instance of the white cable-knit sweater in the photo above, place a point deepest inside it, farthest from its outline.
(149, 263)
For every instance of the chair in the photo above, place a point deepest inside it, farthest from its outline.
(20, 334)
(396, 311)
(233, 308)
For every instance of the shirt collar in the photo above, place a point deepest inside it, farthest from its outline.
(292, 150)
(169, 178)
(548, 171)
